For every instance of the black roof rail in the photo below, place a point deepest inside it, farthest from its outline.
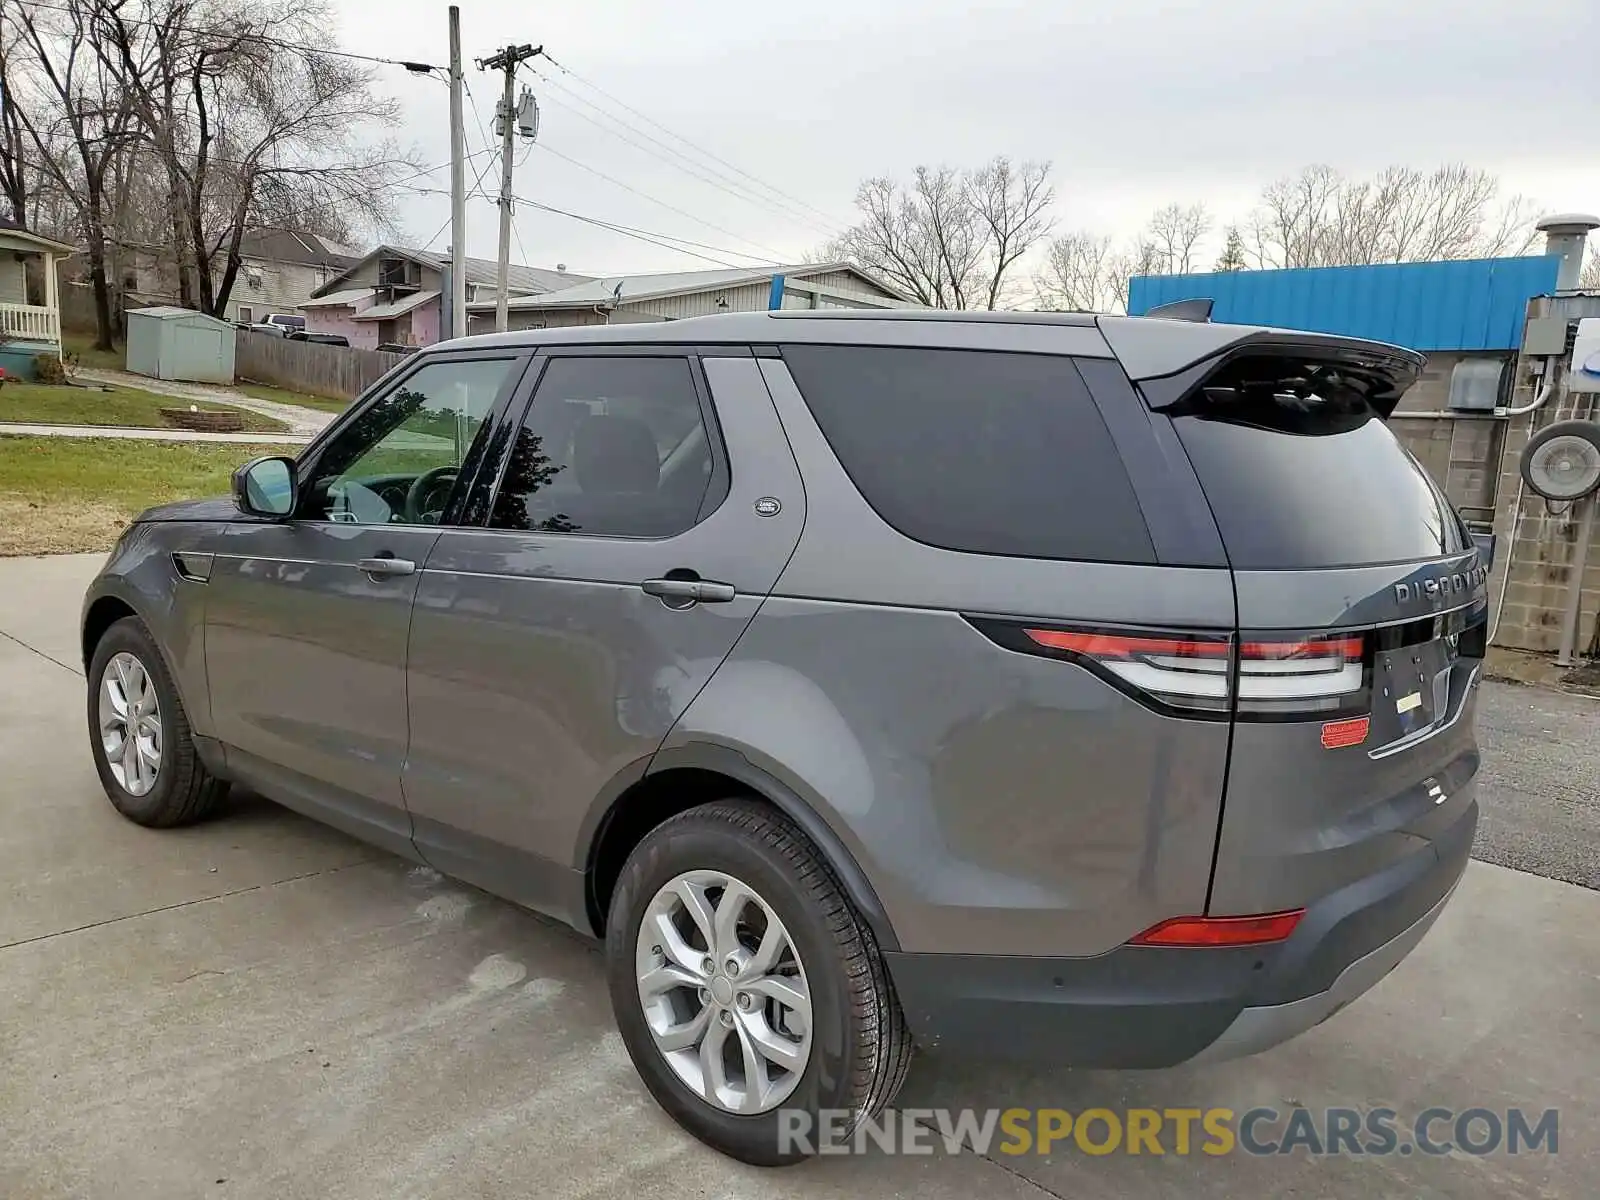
(1198, 309)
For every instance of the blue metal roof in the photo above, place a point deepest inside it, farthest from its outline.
(1471, 304)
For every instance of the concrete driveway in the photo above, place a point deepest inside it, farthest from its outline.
(258, 1007)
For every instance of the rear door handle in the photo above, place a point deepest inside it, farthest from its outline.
(702, 591)
(387, 565)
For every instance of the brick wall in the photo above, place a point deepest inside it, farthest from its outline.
(1459, 451)
(1478, 460)
(1538, 546)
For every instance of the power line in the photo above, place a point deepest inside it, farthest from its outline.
(416, 68)
(476, 185)
(517, 233)
(694, 146)
(654, 200)
(675, 158)
(666, 241)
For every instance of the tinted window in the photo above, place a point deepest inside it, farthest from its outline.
(1311, 477)
(397, 461)
(991, 453)
(616, 447)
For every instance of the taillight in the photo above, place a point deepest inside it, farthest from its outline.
(1259, 677)
(1221, 931)
(1309, 676)
(1188, 671)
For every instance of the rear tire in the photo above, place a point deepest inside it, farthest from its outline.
(139, 734)
(854, 1041)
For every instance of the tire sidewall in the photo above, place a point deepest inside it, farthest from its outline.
(712, 844)
(129, 636)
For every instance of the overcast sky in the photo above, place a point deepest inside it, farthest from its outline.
(1136, 103)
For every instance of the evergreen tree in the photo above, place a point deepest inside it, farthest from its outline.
(1232, 253)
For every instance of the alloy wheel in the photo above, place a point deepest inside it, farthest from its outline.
(130, 724)
(724, 992)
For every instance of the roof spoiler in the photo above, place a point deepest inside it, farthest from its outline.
(1381, 372)
(1198, 309)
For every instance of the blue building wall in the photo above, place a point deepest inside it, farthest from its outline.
(1473, 304)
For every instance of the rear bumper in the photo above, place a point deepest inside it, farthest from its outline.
(1156, 1007)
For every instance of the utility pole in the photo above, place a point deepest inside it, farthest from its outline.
(507, 60)
(458, 186)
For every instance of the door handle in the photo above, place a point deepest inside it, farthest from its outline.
(702, 591)
(386, 565)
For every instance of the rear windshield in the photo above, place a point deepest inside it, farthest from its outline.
(990, 453)
(1301, 472)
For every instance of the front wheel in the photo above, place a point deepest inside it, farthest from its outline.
(750, 995)
(139, 733)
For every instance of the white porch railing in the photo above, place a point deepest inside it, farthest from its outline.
(30, 321)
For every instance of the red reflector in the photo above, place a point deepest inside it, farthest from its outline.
(1105, 645)
(1338, 734)
(1221, 931)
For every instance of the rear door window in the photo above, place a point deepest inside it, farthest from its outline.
(989, 453)
(612, 447)
(1300, 472)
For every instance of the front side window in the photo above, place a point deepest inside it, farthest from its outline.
(614, 447)
(398, 461)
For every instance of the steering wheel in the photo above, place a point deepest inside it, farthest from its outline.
(421, 490)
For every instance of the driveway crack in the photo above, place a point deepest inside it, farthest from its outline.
(48, 658)
(161, 908)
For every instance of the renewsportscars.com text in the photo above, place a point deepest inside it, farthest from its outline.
(1179, 1132)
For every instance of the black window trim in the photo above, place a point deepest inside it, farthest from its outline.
(310, 457)
(718, 488)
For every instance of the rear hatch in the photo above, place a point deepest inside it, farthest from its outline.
(1362, 615)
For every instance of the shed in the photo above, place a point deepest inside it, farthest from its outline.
(178, 343)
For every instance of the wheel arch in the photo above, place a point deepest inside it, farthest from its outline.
(102, 613)
(649, 792)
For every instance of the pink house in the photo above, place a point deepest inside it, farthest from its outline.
(392, 296)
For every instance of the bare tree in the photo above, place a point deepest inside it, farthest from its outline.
(83, 123)
(1077, 274)
(950, 238)
(1322, 218)
(16, 176)
(1083, 271)
(1014, 206)
(1172, 237)
(1590, 279)
(251, 129)
(892, 240)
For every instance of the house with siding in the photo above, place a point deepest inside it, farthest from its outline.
(395, 295)
(673, 295)
(279, 270)
(30, 314)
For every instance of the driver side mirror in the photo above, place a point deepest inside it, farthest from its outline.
(266, 488)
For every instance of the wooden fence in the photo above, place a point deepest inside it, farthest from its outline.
(341, 371)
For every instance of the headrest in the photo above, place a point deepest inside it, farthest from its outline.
(615, 454)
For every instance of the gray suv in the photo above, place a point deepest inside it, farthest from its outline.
(1095, 690)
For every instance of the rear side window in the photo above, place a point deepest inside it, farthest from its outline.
(1301, 472)
(989, 453)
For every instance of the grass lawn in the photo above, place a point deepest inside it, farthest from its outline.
(262, 391)
(82, 344)
(54, 405)
(62, 495)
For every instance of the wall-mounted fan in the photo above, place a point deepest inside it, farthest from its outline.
(1562, 461)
